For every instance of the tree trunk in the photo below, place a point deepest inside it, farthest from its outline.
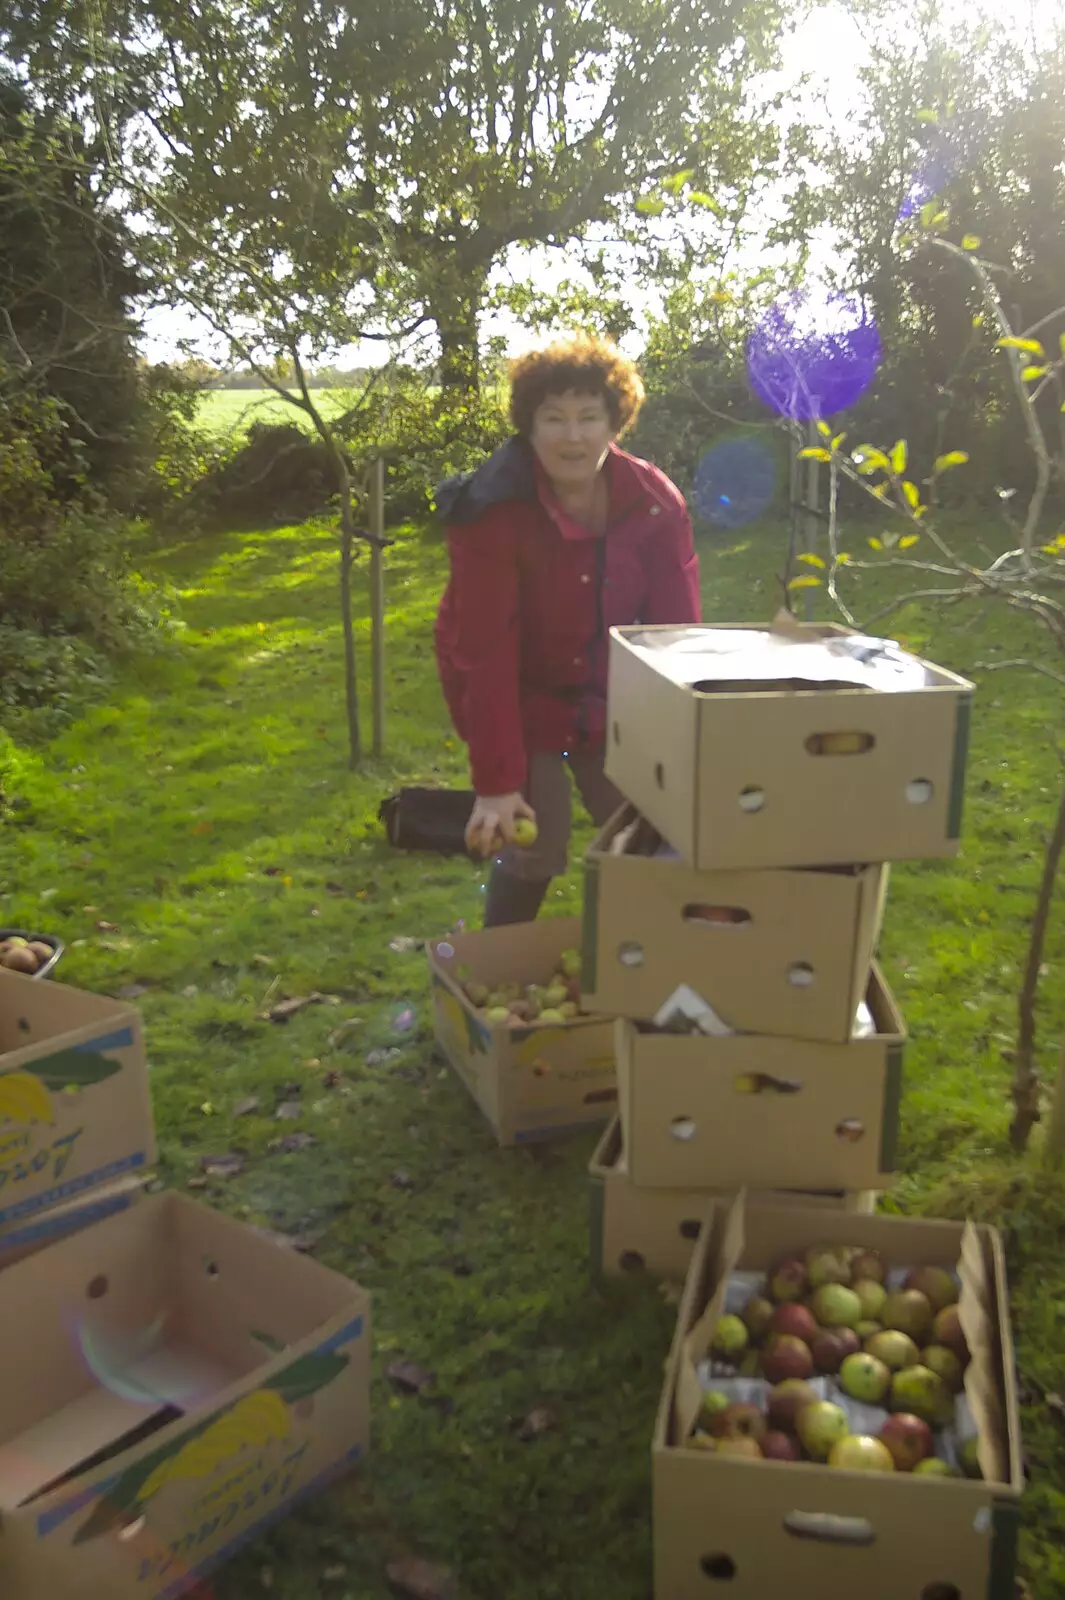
(456, 311)
(347, 560)
(1025, 1079)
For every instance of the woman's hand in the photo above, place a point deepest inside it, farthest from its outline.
(493, 818)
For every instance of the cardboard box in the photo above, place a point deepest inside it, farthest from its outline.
(776, 952)
(774, 1528)
(22, 1239)
(531, 1083)
(732, 781)
(173, 1382)
(769, 1113)
(75, 1111)
(654, 1230)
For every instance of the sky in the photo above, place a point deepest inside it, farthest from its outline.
(826, 50)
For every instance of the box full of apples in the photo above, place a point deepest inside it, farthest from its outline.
(34, 954)
(834, 1357)
(516, 1005)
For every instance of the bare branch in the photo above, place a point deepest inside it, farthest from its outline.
(1029, 666)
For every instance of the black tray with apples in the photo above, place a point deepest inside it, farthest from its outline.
(42, 948)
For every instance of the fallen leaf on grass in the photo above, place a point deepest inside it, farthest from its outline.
(408, 1377)
(107, 927)
(537, 1422)
(377, 1057)
(228, 1165)
(262, 961)
(401, 1180)
(418, 1580)
(273, 872)
(334, 1574)
(294, 1141)
(244, 1108)
(131, 991)
(332, 1079)
(289, 1111)
(189, 992)
(334, 888)
(403, 944)
(196, 1183)
(284, 1009)
(203, 827)
(338, 1035)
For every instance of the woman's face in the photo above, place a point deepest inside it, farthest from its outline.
(571, 433)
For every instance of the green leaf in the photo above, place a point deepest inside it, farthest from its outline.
(868, 459)
(953, 458)
(1030, 374)
(912, 494)
(908, 541)
(881, 491)
(899, 457)
(927, 116)
(970, 241)
(978, 320)
(675, 183)
(928, 211)
(1061, 342)
(698, 197)
(74, 1069)
(307, 1375)
(842, 559)
(808, 581)
(810, 559)
(838, 440)
(1030, 347)
(824, 430)
(875, 543)
(814, 452)
(650, 206)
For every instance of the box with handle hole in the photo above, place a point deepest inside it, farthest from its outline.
(174, 1382)
(75, 1110)
(654, 1230)
(777, 952)
(533, 1080)
(740, 772)
(765, 1112)
(751, 1528)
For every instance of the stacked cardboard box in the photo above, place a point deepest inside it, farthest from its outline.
(172, 1381)
(733, 907)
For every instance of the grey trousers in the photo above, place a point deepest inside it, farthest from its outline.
(550, 793)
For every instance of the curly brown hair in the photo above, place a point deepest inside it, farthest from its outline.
(584, 364)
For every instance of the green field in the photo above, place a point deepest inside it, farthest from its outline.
(207, 814)
(228, 411)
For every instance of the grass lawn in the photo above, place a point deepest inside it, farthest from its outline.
(227, 411)
(207, 812)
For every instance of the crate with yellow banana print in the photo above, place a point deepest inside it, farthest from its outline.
(507, 1016)
(75, 1109)
(181, 1382)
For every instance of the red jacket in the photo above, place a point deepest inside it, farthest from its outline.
(521, 635)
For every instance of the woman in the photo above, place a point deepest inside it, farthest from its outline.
(557, 538)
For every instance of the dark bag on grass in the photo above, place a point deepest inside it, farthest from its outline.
(428, 819)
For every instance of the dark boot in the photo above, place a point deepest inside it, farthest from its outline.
(509, 899)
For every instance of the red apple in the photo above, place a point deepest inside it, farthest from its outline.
(832, 1347)
(908, 1438)
(786, 1401)
(788, 1281)
(947, 1330)
(786, 1357)
(740, 1421)
(799, 1321)
(777, 1446)
(868, 1265)
(936, 1284)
